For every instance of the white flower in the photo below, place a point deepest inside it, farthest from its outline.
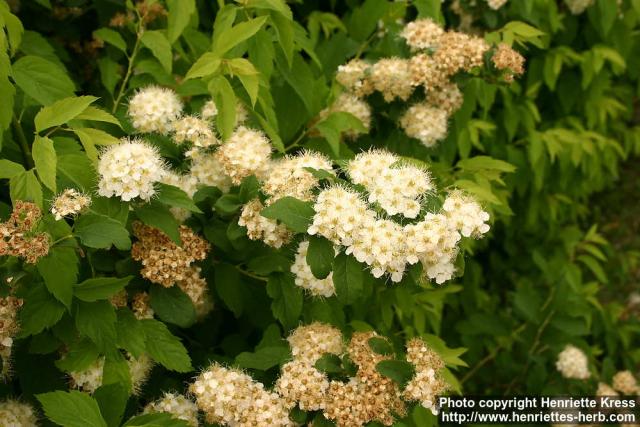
(573, 363)
(466, 215)
(288, 176)
(69, 202)
(312, 341)
(353, 76)
(177, 405)
(262, 228)
(422, 34)
(392, 77)
(207, 171)
(425, 123)
(195, 130)
(305, 278)
(129, 170)
(247, 152)
(496, 4)
(17, 414)
(209, 110)
(154, 109)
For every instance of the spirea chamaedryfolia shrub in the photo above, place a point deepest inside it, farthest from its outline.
(243, 221)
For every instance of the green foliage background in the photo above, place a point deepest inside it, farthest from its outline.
(537, 153)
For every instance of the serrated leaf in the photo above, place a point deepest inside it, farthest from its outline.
(165, 348)
(130, 333)
(287, 299)
(44, 157)
(347, 278)
(40, 310)
(100, 288)
(80, 355)
(180, 12)
(294, 213)
(75, 170)
(320, 255)
(228, 39)
(380, 346)
(264, 358)
(25, 186)
(62, 111)
(206, 65)
(9, 169)
(42, 80)
(175, 197)
(59, 269)
(172, 305)
(99, 231)
(112, 400)
(112, 37)
(97, 321)
(71, 409)
(228, 286)
(161, 218)
(399, 371)
(158, 44)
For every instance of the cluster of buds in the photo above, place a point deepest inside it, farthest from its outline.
(18, 236)
(437, 56)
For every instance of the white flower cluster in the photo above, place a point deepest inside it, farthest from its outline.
(496, 4)
(247, 152)
(288, 176)
(345, 219)
(69, 202)
(155, 109)
(427, 384)
(195, 130)
(398, 190)
(177, 405)
(626, 383)
(305, 278)
(577, 7)
(232, 398)
(129, 170)
(17, 414)
(437, 56)
(262, 228)
(573, 363)
(311, 342)
(90, 379)
(208, 171)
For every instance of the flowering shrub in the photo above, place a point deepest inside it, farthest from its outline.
(214, 215)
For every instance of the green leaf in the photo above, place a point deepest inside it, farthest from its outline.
(380, 346)
(287, 299)
(399, 371)
(62, 111)
(161, 218)
(249, 189)
(206, 65)
(347, 278)
(9, 169)
(71, 409)
(172, 305)
(99, 231)
(95, 137)
(294, 213)
(158, 44)
(335, 125)
(320, 255)
(130, 333)
(180, 12)
(485, 162)
(112, 37)
(284, 30)
(40, 310)
(42, 80)
(44, 157)
(80, 355)
(59, 269)
(175, 197)
(248, 75)
(112, 400)
(25, 186)
(97, 321)
(227, 40)
(75, 170)
(165, 348)
(227, 204)
(228, 286)
(100, 288)
(264, 358)
(225, 99)
(97, 115)
(329, 363)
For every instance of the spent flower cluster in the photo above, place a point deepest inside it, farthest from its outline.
(18, 235)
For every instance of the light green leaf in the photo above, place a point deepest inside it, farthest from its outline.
(335, 125)
(71, 409)
(158, 44)
(485, 162)
(206, 65)
(294, 213)
(97, 115)
(75, 170)
(228, 39)
(112, 37)
(42, 80)
(285, 32)
(25, 186)
(225, 99)
(62, 111)
(180, 12)
(175, 197)
(9, 169)
(44, 157)
(248, 75)
(91, 137)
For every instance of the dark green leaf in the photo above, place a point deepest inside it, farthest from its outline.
(320, 256)
(71, 409)
(100, 288)
(229, 286)
(130, 332)
(175, 197)
(161, 218)
(264, 358)
(398, 370)
(347, 278)
(287, 299)
(294, 213)
(165, 348)
(59, 269)
(97, 321)
(173, 306)
(99, 231)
